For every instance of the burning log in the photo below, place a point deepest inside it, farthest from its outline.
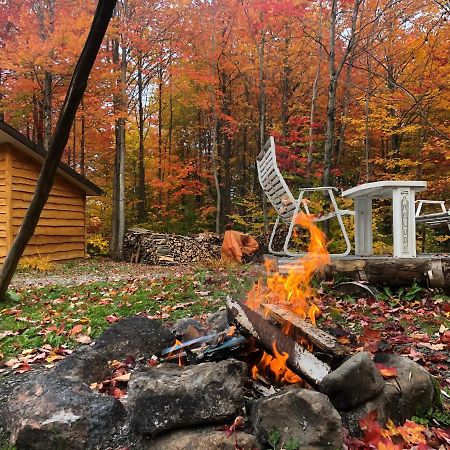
(299, 328)
(300, 360)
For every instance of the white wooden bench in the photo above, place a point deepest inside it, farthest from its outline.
(286, 206)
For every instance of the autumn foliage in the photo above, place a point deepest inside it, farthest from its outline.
(192, 68)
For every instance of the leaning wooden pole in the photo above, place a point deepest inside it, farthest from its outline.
(59, 140)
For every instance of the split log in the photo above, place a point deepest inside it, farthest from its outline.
(302, 329)
(300, 360)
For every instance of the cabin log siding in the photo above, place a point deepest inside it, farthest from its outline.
(61, 230)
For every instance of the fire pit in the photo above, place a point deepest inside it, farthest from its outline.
(261, 375)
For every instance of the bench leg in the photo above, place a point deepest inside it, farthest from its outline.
(403, 223)
(363, 227)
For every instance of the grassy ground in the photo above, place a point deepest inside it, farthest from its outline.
(53, 315)
(74, 302)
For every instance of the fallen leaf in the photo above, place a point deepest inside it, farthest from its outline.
(83, 339)
(445, 337)
(111, 318)
(386, 372)
(412, 433)
(371, 339)
(124, 377)
(76, 330)
(24, 367)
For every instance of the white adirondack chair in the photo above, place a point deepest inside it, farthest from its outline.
(286, 206)
(433, 219)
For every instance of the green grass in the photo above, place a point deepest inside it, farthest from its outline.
(47, 314)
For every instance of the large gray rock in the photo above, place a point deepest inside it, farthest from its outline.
(354, 382)
(167, 397)
(202, 439)
(409, 393)
(217, 321)
(304, 415)
(181, 327)
(134, 336)
(52, 412)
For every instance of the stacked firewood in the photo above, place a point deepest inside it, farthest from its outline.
(144, 246)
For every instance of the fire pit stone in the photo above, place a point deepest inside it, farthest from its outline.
(301, 414)
(134, 336)
(205, 438)
(409, 393)
(354, 382)
(50, 412)
(168, 397)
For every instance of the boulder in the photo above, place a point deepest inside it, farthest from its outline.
(217, 321)
(167, 397)
(409, 393)
(354, 382)
(202, 439)
(53, 412)
(301, 415)
(183, 325)
(134, 336)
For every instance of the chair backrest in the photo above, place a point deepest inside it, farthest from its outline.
(273, 183)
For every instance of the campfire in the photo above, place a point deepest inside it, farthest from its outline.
(277, 321)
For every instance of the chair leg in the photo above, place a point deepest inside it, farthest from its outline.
(271, 250)
(289, 235)
(341, 224)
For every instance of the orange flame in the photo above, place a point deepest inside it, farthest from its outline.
(295, 290)
(274, 367)
(174, 352)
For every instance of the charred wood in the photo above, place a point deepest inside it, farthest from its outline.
(253, 323)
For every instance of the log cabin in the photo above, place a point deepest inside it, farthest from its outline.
(61, 231)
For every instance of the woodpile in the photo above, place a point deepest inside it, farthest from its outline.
(144, 246)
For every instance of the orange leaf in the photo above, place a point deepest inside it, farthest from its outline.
(387, 444)
(371, 428)
(412, 433)
(111, 318)
(76, 330)
(387, 372)
(24, 367)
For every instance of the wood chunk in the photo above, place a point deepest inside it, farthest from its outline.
(300, 360)
(301, 328)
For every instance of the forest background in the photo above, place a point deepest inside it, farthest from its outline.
(184, 93)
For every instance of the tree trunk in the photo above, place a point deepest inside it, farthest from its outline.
(366, 123)
(214, 126)
(59, 140)
(160, 125)
(285, 91)
(47, 109)
(141, 205)
(83, 140)
(262, 118)
(315, 91)
(331, 105)
(118, 211)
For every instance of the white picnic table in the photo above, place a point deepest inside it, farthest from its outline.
(403, 214)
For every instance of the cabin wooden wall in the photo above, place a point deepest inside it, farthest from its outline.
(3, 205)
(61, 231)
